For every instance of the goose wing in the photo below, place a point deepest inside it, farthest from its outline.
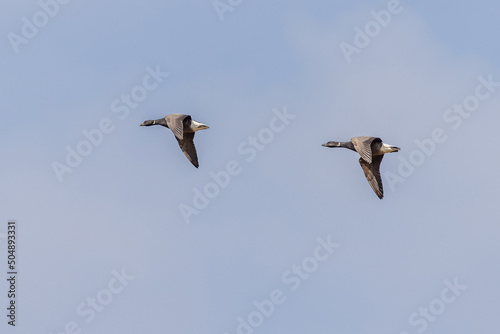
(187, 146)
(175, 122)
(363, 146)
(372, 174)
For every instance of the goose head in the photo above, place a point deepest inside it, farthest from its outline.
(331, 144)
(160, 121)
(148, 123)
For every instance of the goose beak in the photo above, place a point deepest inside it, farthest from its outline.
(395, 148)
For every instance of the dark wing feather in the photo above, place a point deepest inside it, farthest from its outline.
(187, 146)
(372, 174)
(363, 146)
(175, 122)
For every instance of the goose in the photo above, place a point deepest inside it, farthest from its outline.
(371, 150)
(184, 128)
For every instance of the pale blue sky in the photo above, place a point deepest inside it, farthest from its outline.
(118, 210)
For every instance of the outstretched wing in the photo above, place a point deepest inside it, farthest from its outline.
(187, 146)
(175, 122)
(372, 174)
(363, 146)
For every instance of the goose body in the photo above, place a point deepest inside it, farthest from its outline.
(184, 128)
(371, 150)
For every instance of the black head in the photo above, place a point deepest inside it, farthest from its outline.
(147, 123)
(331, 144)
(160, 121)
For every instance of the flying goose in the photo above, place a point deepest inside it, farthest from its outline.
(183, 128)
(371, 150)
